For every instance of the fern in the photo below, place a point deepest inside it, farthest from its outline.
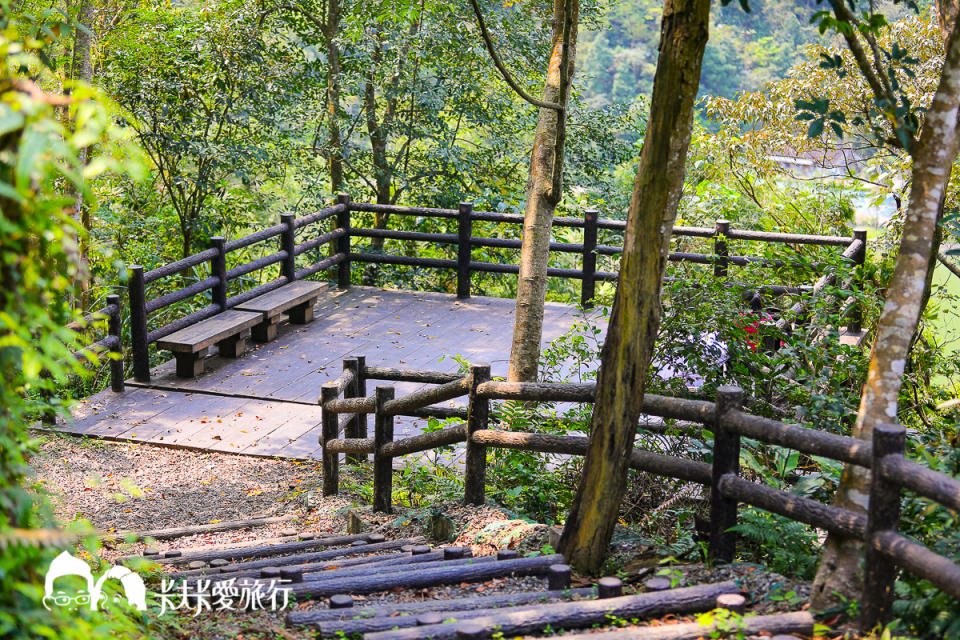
(781, 544)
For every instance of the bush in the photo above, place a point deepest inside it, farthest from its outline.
(40, 179)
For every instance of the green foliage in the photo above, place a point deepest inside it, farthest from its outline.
(39, 166)
(776, 542)
(727, 624)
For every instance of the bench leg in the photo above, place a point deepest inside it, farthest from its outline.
(189, 365)
(302, 314)
(235, 346)
(266, 330)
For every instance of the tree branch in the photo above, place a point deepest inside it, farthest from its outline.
(503, 70)
(945, 261)
(859, 55)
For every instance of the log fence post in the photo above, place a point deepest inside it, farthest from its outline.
(114, 330)
(136, 290)
(464, 235)
(343, 243)
(361, 391)
(352, 430)
(288, 244)
(883, 514)
(720, 249)
(382, 465)
(218, 269)
(478, 416)
(855, 317)
(329, 431)
(726, 459)
(588, 284)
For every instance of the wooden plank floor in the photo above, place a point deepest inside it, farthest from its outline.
(265, 402)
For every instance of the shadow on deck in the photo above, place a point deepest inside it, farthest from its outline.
(265, 403)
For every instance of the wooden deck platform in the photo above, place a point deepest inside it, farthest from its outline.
(265, 403)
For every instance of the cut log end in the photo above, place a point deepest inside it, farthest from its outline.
(609, 587)
(340, 601)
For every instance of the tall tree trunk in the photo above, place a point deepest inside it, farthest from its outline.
(335, 151)
(544, 188)
(81, 68)
(635, 318)
(839, 574)
(378, 133)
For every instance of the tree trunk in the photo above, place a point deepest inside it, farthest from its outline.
(839, 573)
(635, 318)
(544, 184)
(335, 152)
(81, 68)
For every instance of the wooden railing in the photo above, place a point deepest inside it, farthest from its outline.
(111, 343)
(884, 456)
(341, 255)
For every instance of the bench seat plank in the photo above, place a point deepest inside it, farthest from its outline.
(199, 336)
(295, 299)
(286, 297)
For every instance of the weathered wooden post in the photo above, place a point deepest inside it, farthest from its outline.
(136, 291)
(855, 317)
(288, 244)
(478, 415)
(343, 242)
(883, 514)
(218, 269)
(464, 234)
(361, 391)
(588, 284)
(720, 249)
(329, 431)
(382, 465)
(114, 330)
(352, 429)
(726, 459)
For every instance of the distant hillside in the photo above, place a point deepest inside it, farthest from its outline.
(745, 50)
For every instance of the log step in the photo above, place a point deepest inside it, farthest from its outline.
(568, 615)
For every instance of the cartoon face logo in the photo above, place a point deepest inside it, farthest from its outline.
(66, 565)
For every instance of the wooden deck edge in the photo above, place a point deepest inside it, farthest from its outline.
(168, 445)
(221, 394)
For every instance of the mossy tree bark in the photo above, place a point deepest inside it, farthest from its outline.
(81, 69)
(635, 318)
(839, 575)
(544, 189)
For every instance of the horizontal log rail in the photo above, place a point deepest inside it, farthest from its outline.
(350, 405)
(802, 439)
(724, 417)
(426, 397)
(839, 521)
(409, 375)
(425, 442)
(919, 560)
(110, 345)
(921, 480)
(350, 445)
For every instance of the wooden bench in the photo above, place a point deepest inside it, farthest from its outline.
(228, 330)
(295, 299)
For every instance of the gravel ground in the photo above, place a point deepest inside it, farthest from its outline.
(120, 486)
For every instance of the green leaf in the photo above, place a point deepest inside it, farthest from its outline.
(816, 128)
(9, 120)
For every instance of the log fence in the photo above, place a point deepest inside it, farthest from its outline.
(888, 551)
(107, 321)
(223, 281)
